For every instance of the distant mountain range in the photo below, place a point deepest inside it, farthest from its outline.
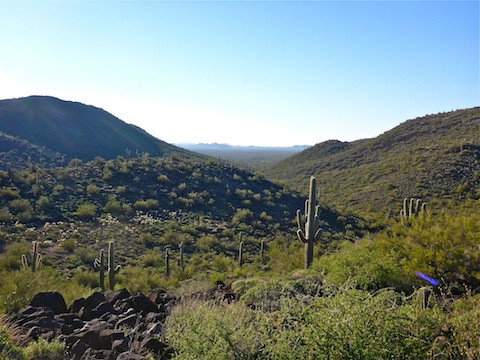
(256, 157)
(52, 130)
(435, 158)
(217, 146)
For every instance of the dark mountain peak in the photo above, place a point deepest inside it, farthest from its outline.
(76, 130)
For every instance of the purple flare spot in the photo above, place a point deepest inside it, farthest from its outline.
(429, 279)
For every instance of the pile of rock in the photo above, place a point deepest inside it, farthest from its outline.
(117, 325)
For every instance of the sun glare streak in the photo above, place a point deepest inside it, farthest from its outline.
(433, 282)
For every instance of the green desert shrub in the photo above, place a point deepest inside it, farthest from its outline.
(11, 259)
(198, 330)
(86, 211)
(144, 280)
(44, 350)
(17, 288)
(464, 321)
(240, 287)
(365, 265)
(346, 324)
(8, 350)
(285, 256)
(87, 279)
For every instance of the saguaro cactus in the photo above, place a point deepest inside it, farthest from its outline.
(167, 262)
(240, 254)
(262, 249)
(309, 228)
(36, 258)
(180, 261)
(112, 270)
(100, 264)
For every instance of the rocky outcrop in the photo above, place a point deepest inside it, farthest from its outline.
(117, 325)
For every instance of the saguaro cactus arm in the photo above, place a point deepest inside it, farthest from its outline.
(100, 264)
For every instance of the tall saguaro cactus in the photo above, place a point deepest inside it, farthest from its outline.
(112, 270)
(167, 262)
(180, 260)
(36, 258)
(240, 254)
(309, 228)
(100, 265)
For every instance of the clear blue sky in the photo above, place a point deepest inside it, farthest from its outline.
(247, 73)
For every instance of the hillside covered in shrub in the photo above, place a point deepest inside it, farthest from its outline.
(435, 157)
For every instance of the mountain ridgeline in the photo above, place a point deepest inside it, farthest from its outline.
(435, 157)
(63, 130)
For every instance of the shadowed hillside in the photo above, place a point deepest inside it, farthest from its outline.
(19, 153)
(435, 157)
(76, 130)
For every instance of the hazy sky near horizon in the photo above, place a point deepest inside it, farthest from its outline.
(271, 73)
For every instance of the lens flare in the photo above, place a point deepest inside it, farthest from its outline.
(429, 279)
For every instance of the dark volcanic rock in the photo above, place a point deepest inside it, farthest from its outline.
(117, 295)
(52, 300)
(116, 326)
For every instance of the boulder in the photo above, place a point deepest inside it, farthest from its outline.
(117, 295)
(52, 300)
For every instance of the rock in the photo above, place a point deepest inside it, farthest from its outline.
(117, 295)
(130, 356)
(77, 305)
(102, 308)
(78, 349)
(94, 328)
(154, 317)
(33, 333)
(155, 346)
(66, 318)
(129, 321)
(108, 336)
(157, 296)
(94, 300)
(52, 299)
(45, 323)
(121, 345)
(143, 304)
(85, 313)
(30, 313)
(154, 329)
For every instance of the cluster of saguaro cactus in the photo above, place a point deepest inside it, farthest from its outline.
(309, 228)
(111, 268)
(411, 208)
(36, 258)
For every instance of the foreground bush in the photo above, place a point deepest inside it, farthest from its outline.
(348, 324)
(44, 350)
(7, 349)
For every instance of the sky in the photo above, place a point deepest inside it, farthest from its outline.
(265, 73)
